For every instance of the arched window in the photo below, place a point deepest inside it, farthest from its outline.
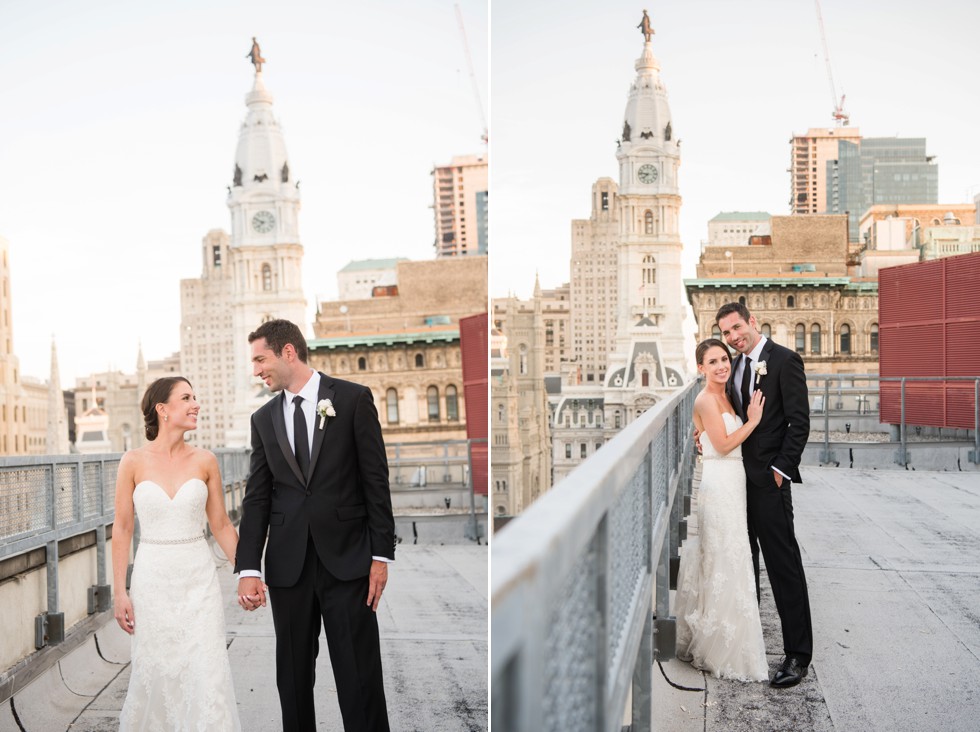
(568, 450)
(523, 359)
(715, 331)
(452, 404)
(266, 277)
(500, 412)
(874, 338)
(392, 402)
(645, 377)
(432, 398)
(648, 222)
(815, 338)
(618, 420)
(766, 330)
(800, 338)
(845, 338)
(741, 300)
(419, 360)
(362, 364)
(790, 301)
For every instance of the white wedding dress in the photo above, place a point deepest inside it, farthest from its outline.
(718, 624)
(180, 676)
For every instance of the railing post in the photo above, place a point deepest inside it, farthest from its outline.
(902, 453)
(49, 627)
(826, 421)
(975, 457)
(642, 712)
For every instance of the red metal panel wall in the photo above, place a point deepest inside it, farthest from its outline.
(474, 345)
(929, 325)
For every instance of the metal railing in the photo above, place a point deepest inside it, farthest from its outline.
(46, 499)
(864, 391)
(576, 577)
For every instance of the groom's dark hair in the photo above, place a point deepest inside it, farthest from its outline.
(733, 307)
(278, 333)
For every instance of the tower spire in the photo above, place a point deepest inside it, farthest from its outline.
(56, 441)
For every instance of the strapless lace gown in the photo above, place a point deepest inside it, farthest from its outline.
(180, 675)
(718, 624)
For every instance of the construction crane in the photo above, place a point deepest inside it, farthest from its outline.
(469, 63)
(840, 116)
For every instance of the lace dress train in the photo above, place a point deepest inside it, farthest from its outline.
(718, 625)
(181, 677)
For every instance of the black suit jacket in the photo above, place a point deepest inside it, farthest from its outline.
(345, 505)
(779, 439)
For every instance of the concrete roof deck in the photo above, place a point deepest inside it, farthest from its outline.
(433, 619)
(893, 568)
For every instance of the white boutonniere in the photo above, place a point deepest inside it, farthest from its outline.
(325, 409)
(760, 371)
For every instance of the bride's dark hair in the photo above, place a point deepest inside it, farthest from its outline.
(704, 345)
(157, 393)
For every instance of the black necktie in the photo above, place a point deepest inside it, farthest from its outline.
(746, 381)
(301, 440)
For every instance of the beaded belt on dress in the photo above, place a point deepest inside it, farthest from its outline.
(171, 541)
(723, 457)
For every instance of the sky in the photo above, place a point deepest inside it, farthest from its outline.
(118, 135)
(741, 78)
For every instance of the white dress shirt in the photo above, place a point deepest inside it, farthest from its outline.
(754, 355)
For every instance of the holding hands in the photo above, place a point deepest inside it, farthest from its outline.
(251, 593)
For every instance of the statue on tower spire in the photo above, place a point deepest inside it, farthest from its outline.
(645, 28)
(256, 54)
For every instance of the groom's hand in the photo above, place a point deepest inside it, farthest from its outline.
(779, 478)
(251, 593)
(376, 583)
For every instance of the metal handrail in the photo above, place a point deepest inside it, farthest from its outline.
(576, 577)
(902, 458)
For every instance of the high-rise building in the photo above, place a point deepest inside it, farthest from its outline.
(809, 156)
(594, 285)
(13, 399)
(460, 211)
(252, 276)
(879, 170)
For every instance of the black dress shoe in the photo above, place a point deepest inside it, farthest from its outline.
(789, 674)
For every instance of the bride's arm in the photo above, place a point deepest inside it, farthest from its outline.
(709, 411)
(221, 526)
(122, 540)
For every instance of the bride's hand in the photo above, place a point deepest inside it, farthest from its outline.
(123, 612)
(755, 407)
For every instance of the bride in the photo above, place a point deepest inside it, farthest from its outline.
(718, 624)
(180, 677)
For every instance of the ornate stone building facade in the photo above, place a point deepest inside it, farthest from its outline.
(404, 344)
(796, 284)
(556, 319)
(519, 413)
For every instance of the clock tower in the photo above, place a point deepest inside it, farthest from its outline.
(649, 347)
(264, 252)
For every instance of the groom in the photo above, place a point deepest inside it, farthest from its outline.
(771, 455)
(318, 486)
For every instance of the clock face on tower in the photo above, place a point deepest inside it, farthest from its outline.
(647, 173)
(263, 222)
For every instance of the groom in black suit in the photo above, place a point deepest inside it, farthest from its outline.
(318, 486)
(771, 455)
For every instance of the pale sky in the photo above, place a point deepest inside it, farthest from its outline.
(118, 134)
(741, 78)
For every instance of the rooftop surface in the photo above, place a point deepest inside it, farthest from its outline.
(433, 619)
(893, 568)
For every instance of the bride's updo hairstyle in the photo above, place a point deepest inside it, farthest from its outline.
(157, 393)
(703, 347)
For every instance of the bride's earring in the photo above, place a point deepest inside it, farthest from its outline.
(165, 418)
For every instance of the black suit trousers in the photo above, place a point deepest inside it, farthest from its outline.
(352, 639)
(770, 520)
